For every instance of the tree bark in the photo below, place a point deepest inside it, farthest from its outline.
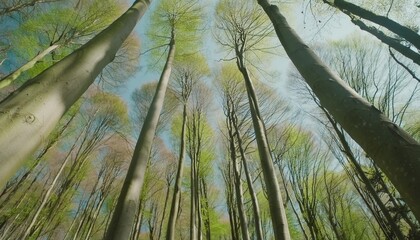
(36, 107)
(254, 199)
(277, 211)
(392, 149)
(124, 214)
(237, 182)
(170, 234)
(367, 184)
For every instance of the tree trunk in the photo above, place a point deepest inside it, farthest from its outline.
(207, 209)
(128, 201)
(237, 179)
(239, 200)
(36, 107)
(168, 189)
(367, 184)
(254, 199)
(47, 195)
(170, 234)
(277, 211)
(392, 149)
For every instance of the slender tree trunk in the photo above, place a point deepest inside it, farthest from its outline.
(207, 209)
(170, 233)
(124, 214)
(93, 219)
(391, 148)
(46, 197)
(6, 81)
(239, 201)
(237, 180)
(277, 211)
(36, 107)
(198, 204)
(168, 189)
(229, 202)
(193, 211)
(254, 200)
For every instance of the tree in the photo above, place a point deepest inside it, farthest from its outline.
(200, 153)
(395, 152)
(239, 135)
(173, 17)
(56, 33)
(360, 65)
(185, 77)
(243, 28)
(35, 108)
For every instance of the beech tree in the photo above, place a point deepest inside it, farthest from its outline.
(171, 17)
(186, 76)
(395, 152)
(243, 28)
(55, 33)
(35, 108)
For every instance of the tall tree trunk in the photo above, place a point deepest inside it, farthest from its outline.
(277, 211)
(237, 179)
(47, 195)
(168, 189)
(193, 210)
(392, 149)
(254, 200)
(366, 182)
(170, 232)
(92, 221)
(128, 201)
(239, 200)
(207, 209)
(198, 201)
(36, 107)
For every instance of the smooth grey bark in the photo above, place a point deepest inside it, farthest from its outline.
(391, 148)
(170, 231)
(128, 201)
(254, 199)
(277, 210)
(30, 114)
